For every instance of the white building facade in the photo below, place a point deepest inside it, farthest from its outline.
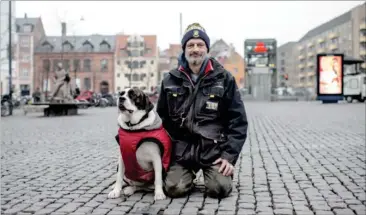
(4, 44)
(136, 64)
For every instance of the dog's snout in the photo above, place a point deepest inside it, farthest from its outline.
(122, 99)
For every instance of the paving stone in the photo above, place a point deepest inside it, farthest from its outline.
(298, 162)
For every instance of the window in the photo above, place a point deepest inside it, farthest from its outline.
(152, 62)
(104, 65)
(66, 65)
(25, 58)
(28, 28)
(87, 84)
(67, 47)
(135, 53)
(76, 65)
(46, 65)
(135, 64)
(322, 45)
(118, 88)
(88, 47)
(47, 47)
(24, 41)
(24, 72)
(235, 71)
(142, 76)
(118, 75)
(87, 65)
(135, 77)
(104, 47)
(128, 76)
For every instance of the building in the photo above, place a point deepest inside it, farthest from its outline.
(286, 65)
(230, 59)
(4, 44)
(168, 59)
(136, 62)
(89, 60)
(343, 34)
(29, 33)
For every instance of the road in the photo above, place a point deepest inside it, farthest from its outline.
(300, 158)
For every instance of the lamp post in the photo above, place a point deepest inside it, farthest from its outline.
(10, 56)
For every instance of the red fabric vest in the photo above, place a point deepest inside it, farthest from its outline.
(129, 142)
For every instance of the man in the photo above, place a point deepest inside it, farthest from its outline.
(201, 109)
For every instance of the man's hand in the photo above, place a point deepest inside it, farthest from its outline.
(226, 168)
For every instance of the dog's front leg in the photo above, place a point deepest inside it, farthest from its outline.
(158, 170)
(116, 192)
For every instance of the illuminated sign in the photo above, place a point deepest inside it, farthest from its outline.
(330, 74)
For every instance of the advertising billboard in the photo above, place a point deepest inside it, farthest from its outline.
(330, 74)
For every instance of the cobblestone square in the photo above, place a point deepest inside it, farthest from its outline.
(300, 158)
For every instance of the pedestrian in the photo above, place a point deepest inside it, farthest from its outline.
(202, 110)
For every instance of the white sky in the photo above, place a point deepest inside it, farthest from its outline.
(232, 21)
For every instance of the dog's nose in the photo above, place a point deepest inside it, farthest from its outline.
(122, 99)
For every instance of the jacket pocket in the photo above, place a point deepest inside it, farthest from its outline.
(211, 101)
(176, 98)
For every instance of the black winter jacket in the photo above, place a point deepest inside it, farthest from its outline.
(216, 124)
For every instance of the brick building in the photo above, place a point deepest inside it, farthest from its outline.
(89, 60)
(29, 33)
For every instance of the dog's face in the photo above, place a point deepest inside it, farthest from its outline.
(133, 99)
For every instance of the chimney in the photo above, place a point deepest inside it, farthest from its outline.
(63, 29)
(25, 15)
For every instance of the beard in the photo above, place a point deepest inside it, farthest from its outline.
(195, 59)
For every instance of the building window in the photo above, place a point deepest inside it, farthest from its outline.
(66, 65)
(104, 47)
(67, 47)
(87, 84)
(151, 62)
(24, 72)
(76, 65)
(28, 28)
(135, 53)
(135, 64)
(87, 65)
(104, 65)
(128, 76)
(118, 75)
(135, 77)
(46, 65)
(24, 41)
(25, 58)
(142, 76)
(118, 88)
(88, 47)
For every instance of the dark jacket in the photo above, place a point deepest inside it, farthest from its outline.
(215, 125)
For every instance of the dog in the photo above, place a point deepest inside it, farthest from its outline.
(145, 146)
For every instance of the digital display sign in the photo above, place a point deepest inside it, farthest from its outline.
(260, 52)
(330, 74)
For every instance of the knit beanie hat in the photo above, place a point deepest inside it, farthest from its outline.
(195, 30)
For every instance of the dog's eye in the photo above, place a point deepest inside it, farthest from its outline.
(122, 93)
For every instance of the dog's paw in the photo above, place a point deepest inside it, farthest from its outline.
(129, 190)
(115, 193)
(159, 195)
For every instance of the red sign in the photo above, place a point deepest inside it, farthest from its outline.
(260, 48)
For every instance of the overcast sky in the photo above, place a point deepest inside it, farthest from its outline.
(232, 21)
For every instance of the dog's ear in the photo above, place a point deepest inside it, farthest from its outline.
(143, 102)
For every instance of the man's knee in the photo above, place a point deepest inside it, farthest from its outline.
(178, 182)
(218, 185)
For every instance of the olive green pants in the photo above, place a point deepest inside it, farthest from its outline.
(179, 182)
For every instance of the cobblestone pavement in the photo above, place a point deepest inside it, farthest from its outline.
(300, 158)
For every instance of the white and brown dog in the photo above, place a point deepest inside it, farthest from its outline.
(145, 146)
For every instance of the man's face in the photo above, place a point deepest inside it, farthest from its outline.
(195, 51)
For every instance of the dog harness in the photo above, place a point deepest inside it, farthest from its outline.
(129, 141)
